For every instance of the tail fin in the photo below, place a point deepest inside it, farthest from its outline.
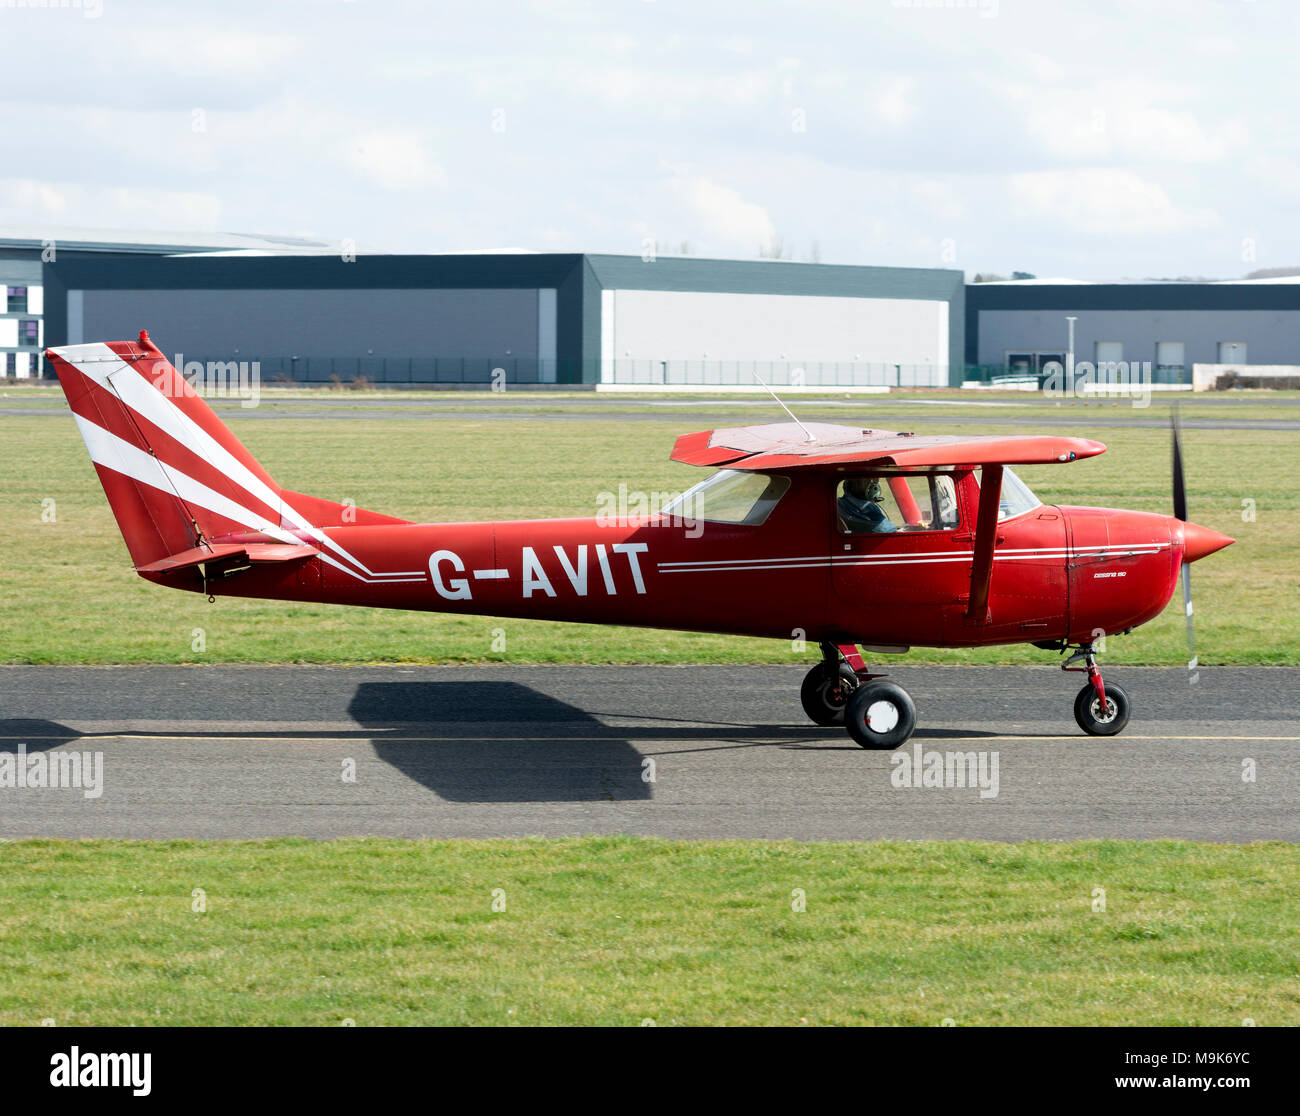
(175, 476)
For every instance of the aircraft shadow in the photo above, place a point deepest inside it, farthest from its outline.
(536, 748)
(34, 735)
(559, 753)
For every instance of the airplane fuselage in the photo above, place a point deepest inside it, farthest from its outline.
(1059, 573)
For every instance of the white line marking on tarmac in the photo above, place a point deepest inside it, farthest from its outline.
(379, 734)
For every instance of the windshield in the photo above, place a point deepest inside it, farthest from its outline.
(730, 496)
(1016, 497)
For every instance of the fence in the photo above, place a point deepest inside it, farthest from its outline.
(830, 375)
(401, 370)
(1106, 372)
(776, 373)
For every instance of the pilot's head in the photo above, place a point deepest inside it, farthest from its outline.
(863, 488)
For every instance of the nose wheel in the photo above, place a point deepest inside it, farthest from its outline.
(1100, 708)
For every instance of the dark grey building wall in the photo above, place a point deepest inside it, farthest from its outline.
(1264, 315)
(1270, 336)
(489, 327)
(465, 309)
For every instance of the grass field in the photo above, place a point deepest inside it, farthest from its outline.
(69, 595)
(617, 931)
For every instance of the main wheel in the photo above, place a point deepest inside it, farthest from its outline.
(824, 695)
(1097, 721)
(880, 715)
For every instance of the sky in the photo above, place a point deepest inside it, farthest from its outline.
(1146, 139)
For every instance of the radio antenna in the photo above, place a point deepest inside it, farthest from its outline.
(808, 434)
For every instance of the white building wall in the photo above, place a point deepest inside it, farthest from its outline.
(722, 337)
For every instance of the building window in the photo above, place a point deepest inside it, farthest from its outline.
(11, 364)
(17, 302)
(29, 332)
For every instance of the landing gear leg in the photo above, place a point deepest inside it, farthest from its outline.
(879, 713)
(1099, 709)
(827, 687)
(841, 691)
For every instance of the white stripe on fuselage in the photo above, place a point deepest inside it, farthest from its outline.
(740, 565)
(119, 455)
(100, 363)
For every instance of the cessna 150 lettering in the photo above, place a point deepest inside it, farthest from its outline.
(853, 538)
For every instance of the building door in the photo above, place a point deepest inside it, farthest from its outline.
(1232, 352)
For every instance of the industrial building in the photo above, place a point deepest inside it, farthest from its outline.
(308, 311)
(1022, 326)
(530, 318)
(25, 254)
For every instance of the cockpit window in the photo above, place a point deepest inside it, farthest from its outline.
(730, 496)
(881, 505)
(1016, 497)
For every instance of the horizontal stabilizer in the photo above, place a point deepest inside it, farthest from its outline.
(254, 552)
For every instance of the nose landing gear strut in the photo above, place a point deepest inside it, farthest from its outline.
(1101, 709)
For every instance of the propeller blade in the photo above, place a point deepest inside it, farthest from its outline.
(1180, 512)
(1180, 486)
(1192, 676)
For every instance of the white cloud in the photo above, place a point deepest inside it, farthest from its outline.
(339, 117)
(660, 91)
(32, 198)
(723, 215)
(940, 198)
(1122, 119)
(892, 101)
(394, 161)
(24, 200)
(1101, 202)
(226, 52)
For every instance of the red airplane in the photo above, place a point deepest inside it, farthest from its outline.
(832, 534)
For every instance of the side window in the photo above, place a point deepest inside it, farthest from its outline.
(730, 496)
(879, 505)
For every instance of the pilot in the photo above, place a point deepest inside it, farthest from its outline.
(860, 509)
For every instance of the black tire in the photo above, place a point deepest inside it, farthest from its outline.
(1087, 710)
(887, 705)
(822, 700)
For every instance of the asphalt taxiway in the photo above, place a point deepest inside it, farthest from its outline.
(687, 752)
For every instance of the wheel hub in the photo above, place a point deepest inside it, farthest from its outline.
(1103, 717)
(882, 716)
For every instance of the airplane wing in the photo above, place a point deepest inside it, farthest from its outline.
(785, 445)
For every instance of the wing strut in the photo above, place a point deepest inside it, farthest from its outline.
(986, 537)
